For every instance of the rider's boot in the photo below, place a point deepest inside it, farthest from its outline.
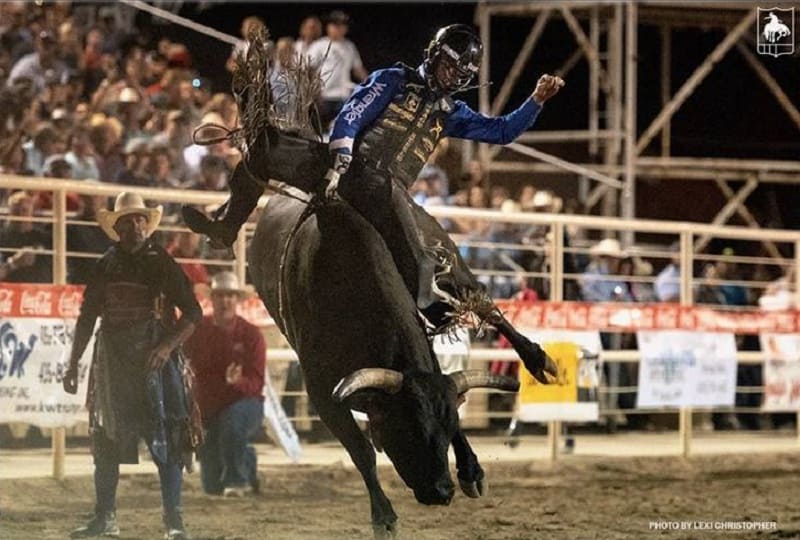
(223, 228)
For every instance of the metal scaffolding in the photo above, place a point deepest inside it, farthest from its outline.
(614, 148)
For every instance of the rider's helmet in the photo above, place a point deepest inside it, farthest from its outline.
(452, 58)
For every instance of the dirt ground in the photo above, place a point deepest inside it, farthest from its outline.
(578, 498)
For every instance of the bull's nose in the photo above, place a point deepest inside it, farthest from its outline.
(440, 494)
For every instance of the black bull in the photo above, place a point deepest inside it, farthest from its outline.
(337, 295)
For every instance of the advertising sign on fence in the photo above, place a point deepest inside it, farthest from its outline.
(33, 357)
(573, 397)
(781, 371)
(686, 369)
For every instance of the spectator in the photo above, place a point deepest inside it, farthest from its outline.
(15, 37)
(137, 164)
(24, 233)
(249, 25)
(281, 83)
(310, 31)
(436, 183)
(106, 138)
(81, 156)
(41, 65)
(668, 282)
(39, 148)
(339, 60)
(21, 259)
(213, 174)
(526, 197)
(186, 245)
(228, 356)
(176, 136)
(86, 240)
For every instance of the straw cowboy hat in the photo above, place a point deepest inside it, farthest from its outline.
(128, 203)
(608, 247)
(227, 282)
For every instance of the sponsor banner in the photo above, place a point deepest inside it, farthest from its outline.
(686, 369)
(573, 397)
(34, 353)
(781, 372)
(626, 317)
(452, 352)
(63, 301)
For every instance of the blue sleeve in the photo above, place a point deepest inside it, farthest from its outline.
(366, 103)
(464, 123)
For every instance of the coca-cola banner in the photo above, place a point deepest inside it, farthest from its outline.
(36, 300)
(34, 352)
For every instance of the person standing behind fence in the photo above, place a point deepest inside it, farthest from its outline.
(228, 355)
(137, 385)
(339, 61)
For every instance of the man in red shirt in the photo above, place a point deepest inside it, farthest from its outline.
(228, 355)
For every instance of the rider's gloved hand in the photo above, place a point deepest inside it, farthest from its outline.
(333, 183)
(341, 162)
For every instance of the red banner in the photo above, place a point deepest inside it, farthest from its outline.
(63, 301)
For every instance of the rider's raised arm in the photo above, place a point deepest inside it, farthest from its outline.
(464, 123)
(363, 107)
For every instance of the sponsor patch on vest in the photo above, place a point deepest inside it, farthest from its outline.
(412, 102)
(358, 107)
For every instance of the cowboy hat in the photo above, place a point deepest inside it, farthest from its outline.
(125, 204)
(226, 282)
(608, 247)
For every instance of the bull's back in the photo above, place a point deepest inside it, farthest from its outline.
(344, 304)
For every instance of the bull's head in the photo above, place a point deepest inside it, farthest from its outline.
(413, 417)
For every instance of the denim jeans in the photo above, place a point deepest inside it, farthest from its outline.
(226, 460)
(106, 478)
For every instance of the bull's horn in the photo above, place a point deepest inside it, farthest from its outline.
(387, 380)
(479, 378)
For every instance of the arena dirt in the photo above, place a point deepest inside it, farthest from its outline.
(579, 498)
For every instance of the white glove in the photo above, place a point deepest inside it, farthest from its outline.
(341, 162)
(333, 183)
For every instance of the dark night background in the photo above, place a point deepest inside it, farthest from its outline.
(731, 114)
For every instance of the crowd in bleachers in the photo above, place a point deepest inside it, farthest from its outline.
(82, 97)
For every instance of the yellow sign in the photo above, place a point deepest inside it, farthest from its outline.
(565, 389)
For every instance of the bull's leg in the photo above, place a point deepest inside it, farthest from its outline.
(341, 423)
(535, 359)
(470, 473)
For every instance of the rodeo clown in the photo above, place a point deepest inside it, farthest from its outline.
(385, 132)
(138, 387)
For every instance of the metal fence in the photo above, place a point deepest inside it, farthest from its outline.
(515, 246)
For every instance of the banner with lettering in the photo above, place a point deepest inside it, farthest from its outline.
(34, 354)
(686, 369)
(781, 372)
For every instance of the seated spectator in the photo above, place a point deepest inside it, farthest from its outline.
(668, 281)
(228, 356)
(249, 24)
(81, 156)
(213, 174)
(595, 285)
(24, 233)
(86, 239)
(106, 137)
(137, 164)
(186, 245)
(42, 145)
(40, 65)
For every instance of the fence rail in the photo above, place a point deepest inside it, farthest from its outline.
(552, 249)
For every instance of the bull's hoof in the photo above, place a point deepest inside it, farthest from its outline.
(537, 361)
(474, 489)
(386, 531)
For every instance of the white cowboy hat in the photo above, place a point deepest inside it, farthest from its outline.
(226, 282)
(128, 203)
(608, 247)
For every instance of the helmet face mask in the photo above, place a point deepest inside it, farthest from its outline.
(453, 58)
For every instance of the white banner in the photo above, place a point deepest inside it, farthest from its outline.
(781, 371)
(279, 427)
(33, 357)
(686, 369)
